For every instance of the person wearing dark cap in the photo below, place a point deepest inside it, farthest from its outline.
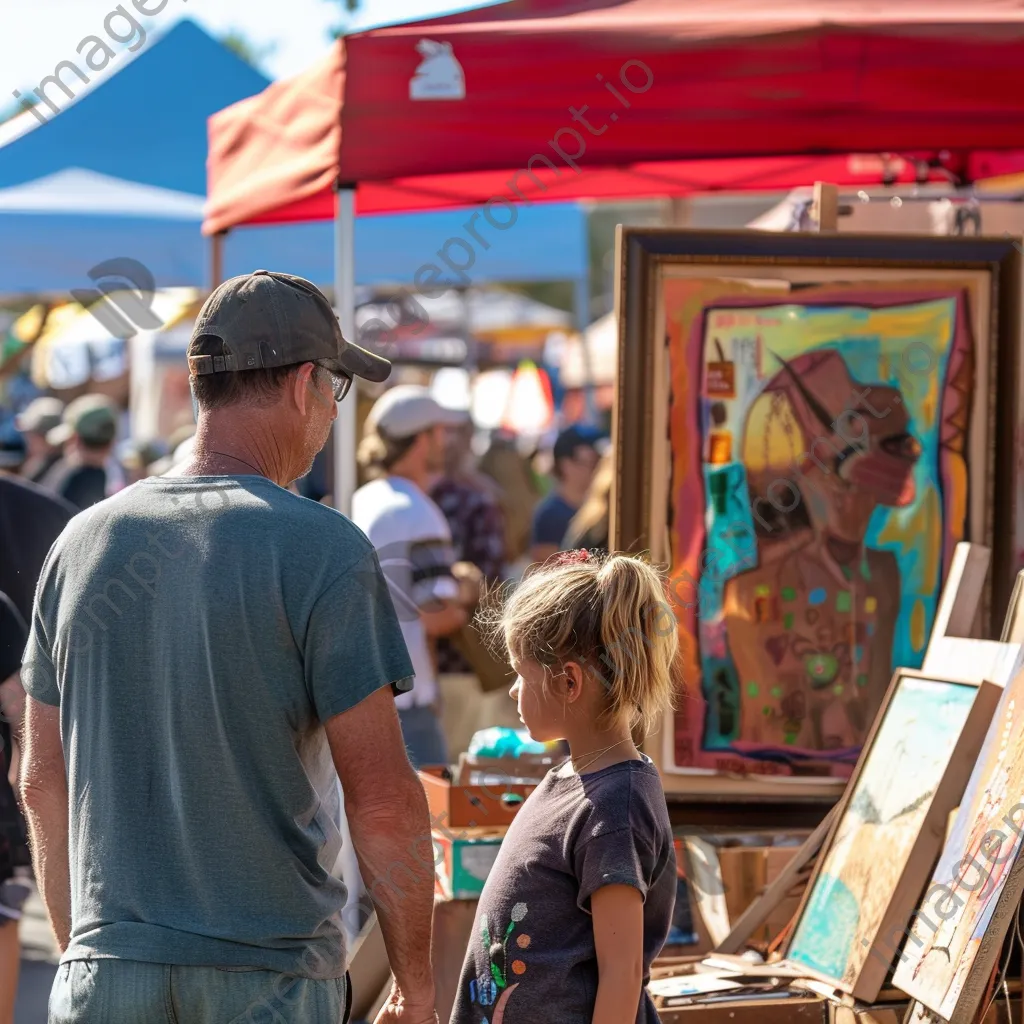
(575, 460)
(35, 421)
(208, 654)
(87, 435)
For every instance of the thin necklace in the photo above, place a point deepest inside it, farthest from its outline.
(587, 764)
(236, 459)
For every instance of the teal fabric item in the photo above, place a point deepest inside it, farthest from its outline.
(86, 992)
(500, 741)
(195, 633)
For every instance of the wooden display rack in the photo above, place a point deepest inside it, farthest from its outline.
(950, 655)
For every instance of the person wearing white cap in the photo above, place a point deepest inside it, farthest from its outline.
(403, 448)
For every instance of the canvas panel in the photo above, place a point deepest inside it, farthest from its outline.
(958, 930)
(880, 826)
(827, 454)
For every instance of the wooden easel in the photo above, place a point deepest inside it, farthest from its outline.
(950, 654)
(825, 208)
(1011, 636)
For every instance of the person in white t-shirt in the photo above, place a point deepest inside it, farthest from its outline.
(403, 449)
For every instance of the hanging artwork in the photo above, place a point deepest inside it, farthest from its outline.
(957, 932)
(804, 434)
(910, 776)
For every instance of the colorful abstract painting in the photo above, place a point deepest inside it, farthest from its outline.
(820, 483)
(887, 807)
(958, 930)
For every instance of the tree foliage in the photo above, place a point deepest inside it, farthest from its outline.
(252, 53)
(346, 8)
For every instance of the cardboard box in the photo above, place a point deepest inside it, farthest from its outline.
(463, 861)
(501, 770)
(746, 872)
(776, 858)
(454, 807)
(793, 1010)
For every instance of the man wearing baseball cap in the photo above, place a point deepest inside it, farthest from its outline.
(86, 433)
(575, 457)
(216, 651)
(403, 449)
(39, 417)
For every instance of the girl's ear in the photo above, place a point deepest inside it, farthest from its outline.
(573, 675)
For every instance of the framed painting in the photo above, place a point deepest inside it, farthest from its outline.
(888, 829)
(957, 932)
(805, 428)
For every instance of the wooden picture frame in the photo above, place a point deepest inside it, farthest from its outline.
(858, 900)
(955, 937)
(1013, 624)
(674, 286)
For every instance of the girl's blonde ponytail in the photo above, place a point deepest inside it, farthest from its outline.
(639, 640)
(610, 614)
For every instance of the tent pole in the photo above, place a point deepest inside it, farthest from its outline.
(345, 304)
(581, 301)
(582, 304)
(217, 258)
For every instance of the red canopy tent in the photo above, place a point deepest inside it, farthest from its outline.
(941, 80)
(561, 99)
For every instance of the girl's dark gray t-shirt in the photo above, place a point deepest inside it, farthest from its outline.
(531, 956)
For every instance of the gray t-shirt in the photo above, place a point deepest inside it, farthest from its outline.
(195, 633)
(531, 955)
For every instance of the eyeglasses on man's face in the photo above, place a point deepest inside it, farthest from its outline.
(341, 383)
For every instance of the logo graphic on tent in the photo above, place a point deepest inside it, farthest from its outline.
(439, 76)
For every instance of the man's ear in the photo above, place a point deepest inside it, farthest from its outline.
(305, 390)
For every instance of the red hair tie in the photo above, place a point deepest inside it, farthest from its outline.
(577, 557)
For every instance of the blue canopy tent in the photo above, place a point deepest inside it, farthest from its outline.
(145, 124)
(53, 231)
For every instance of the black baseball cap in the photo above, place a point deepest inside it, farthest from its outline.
(579, 435)
(267, 319)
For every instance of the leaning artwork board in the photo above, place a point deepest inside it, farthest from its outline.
(952, 652)
(911, 774)
(740, 355)
(958, 929)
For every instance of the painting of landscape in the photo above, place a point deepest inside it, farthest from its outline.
(880, 826)
(959, 928)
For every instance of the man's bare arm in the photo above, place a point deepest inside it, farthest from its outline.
(44, 795)
(390, 827)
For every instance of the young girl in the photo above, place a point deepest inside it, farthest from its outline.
(580, 898)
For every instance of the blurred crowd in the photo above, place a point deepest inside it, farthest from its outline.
(508, 505)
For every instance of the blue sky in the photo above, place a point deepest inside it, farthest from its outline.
(37, 34)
